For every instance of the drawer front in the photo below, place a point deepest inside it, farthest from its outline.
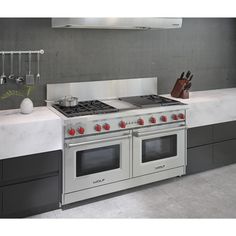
(0, 170)
(31, 166)
(199, 159)
(224, 153)
(200, 136)
(0, 202)
(24, 199)
(224, 131)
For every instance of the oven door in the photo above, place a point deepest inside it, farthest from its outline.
(96, 160)
(157, 150)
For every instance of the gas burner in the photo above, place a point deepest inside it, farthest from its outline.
(86, 108)
(150, 101)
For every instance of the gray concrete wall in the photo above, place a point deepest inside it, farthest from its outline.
(205, 46)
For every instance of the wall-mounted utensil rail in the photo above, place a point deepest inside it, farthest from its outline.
(19, 79)
(41, 51)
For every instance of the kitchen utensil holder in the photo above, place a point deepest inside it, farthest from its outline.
(41, 51)
(179, 89)
(3, 53)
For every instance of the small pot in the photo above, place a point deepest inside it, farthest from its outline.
(67, 101)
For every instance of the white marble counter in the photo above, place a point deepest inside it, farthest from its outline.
(20, 134)
(210, 107)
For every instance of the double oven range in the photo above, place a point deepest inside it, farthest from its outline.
(117, 142)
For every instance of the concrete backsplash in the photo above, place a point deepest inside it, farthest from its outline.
(205, 46)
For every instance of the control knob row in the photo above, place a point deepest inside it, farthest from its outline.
(98, 127)
(72, 131)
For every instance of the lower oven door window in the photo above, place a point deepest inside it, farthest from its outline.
(159, 148)
(97, 160)
(154, 152)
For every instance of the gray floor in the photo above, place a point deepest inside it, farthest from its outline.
(210, 194)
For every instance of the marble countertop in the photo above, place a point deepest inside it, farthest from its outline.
(42, 130)
(210, 107)
(21, 134)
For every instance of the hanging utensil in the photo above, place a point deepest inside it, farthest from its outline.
(38, 75)
(3, 78)
(29, 79)
(11, 76)
(20, 78)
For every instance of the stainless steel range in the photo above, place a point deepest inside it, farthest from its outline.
(120, 135)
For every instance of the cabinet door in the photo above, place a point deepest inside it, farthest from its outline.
(224, 153)
(24, 199)
(200, 136)
(0, 202)
(31, 166)
(199, 159)
(0, 170)
(224, 131)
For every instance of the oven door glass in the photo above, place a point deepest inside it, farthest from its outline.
(97, 160)
(159, 148)
(155, 151)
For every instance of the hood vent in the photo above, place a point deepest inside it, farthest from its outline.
(141, 23)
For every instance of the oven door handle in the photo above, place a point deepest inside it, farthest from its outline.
(140, 134)
(98, 141)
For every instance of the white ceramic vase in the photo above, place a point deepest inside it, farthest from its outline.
(26, 106)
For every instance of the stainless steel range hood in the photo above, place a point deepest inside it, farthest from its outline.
(117, 23)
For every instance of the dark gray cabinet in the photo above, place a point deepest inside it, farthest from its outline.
(224, 153)
(211, 146)
(29, 198)
(0, 170)
(224, 131)
(0, 203)
(199, 159)
(30, 166)
(31, 184)
(200, 136)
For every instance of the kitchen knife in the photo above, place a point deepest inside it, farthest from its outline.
(182, 75)
(188, 74)
(188, 86)
(190, 78)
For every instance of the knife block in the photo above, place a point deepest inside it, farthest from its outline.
(178, 90)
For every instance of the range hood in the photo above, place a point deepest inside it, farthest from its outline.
(117, 23)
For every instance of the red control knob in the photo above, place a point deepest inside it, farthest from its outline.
(141, 121)
(181, 116)
(174, 117)
(106, 126)
(153, 120)
(98, 128)
(71, 132)
(80, 130)
(122, 124)
(164, 118)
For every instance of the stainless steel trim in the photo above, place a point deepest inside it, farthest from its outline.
(102, 90)
(98, 141)
(118, 22)
(140, 134)
(41, 51)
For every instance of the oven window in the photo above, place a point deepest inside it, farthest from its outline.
(97, 160)
(159, 148)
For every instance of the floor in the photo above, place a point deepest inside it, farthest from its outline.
(211, 194)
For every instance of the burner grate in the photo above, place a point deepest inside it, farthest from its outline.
(86, 108)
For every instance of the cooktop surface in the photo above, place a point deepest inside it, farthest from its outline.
(150, 101)
(86, 108)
